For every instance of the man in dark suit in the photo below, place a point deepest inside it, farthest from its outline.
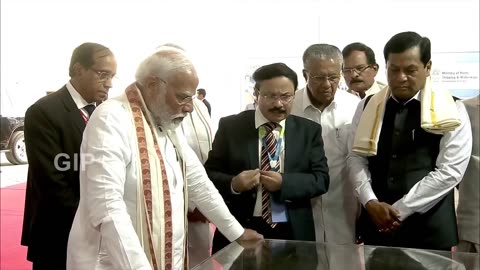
(53, 133)
(268, 164)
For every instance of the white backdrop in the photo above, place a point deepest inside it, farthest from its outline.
(224, 37)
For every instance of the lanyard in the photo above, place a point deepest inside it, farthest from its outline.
(273, 160)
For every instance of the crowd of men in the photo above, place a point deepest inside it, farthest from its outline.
(377, 164)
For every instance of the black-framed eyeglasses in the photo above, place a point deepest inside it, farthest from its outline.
(273, 98)
(333, 78)
(358, 70)
(103, 75)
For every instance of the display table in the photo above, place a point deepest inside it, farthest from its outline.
(298, 255)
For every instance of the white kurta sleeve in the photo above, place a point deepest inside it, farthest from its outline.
(207, 198)
(358, 165)
(106, 143)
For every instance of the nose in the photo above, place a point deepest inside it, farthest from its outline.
(188, 107)
(402, 76)
(277, 102)
(108, 83)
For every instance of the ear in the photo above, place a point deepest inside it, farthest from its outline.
(304, 73)
(428, 67)
(151, 82)
(256, 91)
(78, 69)
(375, 68)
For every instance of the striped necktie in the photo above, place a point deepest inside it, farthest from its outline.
(269, 147)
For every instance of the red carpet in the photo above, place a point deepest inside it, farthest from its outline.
(12, 254)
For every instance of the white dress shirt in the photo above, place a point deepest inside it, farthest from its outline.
(103, 234)
(454, 151)
(375, 88)
(334, 212)
(78, 99)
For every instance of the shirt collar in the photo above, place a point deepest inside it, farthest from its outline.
(306, 102)
(260, 119)
(77, 98)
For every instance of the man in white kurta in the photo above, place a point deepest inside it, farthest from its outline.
(133, 216)
(334, 212)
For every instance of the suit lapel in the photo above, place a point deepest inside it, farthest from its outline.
(252, 141)
(72, 110)
(290, 138)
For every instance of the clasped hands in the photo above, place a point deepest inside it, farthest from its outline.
(247, 180)
(385, 216)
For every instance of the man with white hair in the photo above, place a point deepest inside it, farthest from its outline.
(139, 175)
(334, 212)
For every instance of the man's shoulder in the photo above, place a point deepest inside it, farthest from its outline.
(472, 102)
(115, 106)
(302, 122)
(244, 115)
(346, 98)
(50, 102)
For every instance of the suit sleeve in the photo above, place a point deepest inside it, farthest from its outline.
(44, 152)
(301, 185)
(218, 161)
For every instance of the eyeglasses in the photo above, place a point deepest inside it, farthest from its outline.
(358, 70)
(181, 99)
(334, 78)
(103, 75)
(273, 98)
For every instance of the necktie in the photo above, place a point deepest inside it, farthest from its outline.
(269, 147)
(89, 108)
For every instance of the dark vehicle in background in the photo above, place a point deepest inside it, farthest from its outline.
(12, 140)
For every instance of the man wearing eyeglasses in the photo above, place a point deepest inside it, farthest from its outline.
(268, 164)
(53, 132)
(136, 190)
(360, 69)
(320, 101)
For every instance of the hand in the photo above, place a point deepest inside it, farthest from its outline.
(272, 181)
(246, 180)
(384, 216)
(196, 216)
(249, 238)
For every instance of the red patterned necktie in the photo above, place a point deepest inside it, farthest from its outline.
(269, 146)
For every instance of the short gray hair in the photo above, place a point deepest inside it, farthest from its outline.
(322, 51)
(166, 60)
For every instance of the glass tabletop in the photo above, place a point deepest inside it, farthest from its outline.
(298, 255)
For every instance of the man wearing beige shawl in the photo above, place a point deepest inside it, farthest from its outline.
(410, 147)
(139, 174)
